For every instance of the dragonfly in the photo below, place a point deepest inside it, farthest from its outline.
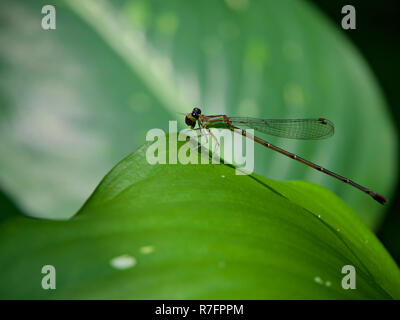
(302, 129)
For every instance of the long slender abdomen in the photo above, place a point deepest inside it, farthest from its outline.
(381, 199)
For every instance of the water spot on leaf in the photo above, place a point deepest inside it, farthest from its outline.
(318, 280)
(123, 262)
(322, 282)
(147, 249)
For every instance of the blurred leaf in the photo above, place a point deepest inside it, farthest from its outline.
(7, 207)
(70, 109)
(197, 232)
(77, 99)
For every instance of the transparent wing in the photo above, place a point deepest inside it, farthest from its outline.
(305, 129)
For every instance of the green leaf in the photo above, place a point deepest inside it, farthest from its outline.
(8, 207)
(197, 232)
(69, 109)
(76, 100)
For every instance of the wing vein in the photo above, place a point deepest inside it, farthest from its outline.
(303, 129)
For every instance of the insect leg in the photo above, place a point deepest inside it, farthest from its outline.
(217, 145)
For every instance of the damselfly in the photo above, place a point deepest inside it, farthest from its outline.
(305, 129)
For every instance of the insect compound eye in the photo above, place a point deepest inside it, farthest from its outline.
(196, 113)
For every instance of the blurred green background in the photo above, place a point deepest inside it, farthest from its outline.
(377, 38)
(75, 101)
